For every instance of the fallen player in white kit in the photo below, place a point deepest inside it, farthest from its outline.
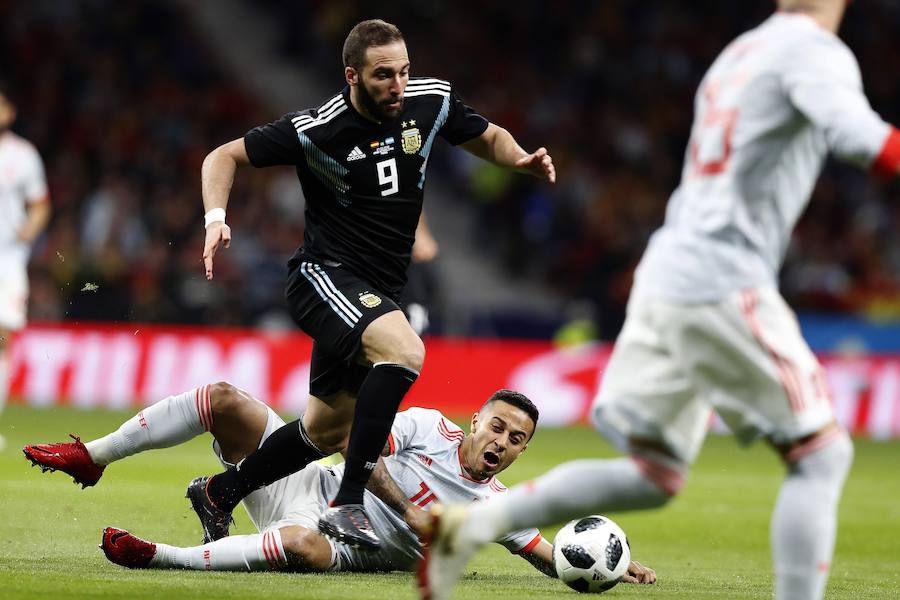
(706, 327)
(428, 458)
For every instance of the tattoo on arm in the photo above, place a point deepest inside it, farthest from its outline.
(384, 487)
(545, 567)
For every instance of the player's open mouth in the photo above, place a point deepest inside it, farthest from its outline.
(491, 459)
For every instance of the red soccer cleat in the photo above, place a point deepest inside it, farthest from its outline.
(69, 457)
(124, 549)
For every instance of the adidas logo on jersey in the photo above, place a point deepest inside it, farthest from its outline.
(355, 154)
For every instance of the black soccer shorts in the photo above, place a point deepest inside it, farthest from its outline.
(334, 307)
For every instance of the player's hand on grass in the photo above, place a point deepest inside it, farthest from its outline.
(217, 233)
(539, 164)
(638, 573)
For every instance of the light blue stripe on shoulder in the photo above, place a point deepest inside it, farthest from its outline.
(329, 171)
(426, 147)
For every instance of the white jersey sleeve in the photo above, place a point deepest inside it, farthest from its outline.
(416, 428)
(822, 78)
(34, 181)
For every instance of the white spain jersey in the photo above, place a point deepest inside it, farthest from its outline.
(770, 108)
(425, 464)
(22, 181)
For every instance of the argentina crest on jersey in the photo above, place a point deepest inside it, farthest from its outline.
(410, 138)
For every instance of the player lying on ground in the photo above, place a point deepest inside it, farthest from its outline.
(428, 457)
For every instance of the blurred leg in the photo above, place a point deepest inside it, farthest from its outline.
(804, 522)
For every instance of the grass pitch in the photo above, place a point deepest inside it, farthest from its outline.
(710, 543)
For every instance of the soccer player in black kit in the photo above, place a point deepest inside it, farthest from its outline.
(361, 158)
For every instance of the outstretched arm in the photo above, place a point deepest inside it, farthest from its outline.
(822, 79)
(386, 489)
(541, 558)
(216, 178)
(497, 145)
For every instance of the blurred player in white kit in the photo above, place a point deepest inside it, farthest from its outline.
(24, 212)
(707, 328)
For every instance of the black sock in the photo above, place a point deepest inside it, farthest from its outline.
(286, 451)
(379, 397)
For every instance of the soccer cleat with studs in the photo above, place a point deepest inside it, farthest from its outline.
(71, 458)
(349, 524)
(124, 549)
(215, 521)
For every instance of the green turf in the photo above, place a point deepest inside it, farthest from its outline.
(712, 542)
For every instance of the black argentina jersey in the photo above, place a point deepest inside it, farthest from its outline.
(363, 181)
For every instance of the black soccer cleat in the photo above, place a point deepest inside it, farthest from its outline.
(349, 524)
(214, 520)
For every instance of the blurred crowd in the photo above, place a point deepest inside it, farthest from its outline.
(125, 99)
(608, 87)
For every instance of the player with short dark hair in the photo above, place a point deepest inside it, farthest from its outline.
(361, 157)
(517, 399)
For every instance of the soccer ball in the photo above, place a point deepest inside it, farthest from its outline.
(591, 554)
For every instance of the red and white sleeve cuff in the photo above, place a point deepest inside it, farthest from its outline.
(530, 545)
(887, 163)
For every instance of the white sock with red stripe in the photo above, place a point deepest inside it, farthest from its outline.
(804, 523)
(256, 552)
(169, 422)
(571, 490)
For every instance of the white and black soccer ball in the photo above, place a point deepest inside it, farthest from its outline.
(591, 554)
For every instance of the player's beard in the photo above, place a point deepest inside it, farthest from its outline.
(376, 109)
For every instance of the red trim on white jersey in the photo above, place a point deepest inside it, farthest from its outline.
(497, 486)
(887, 163)
(530, 545)
(391, 444)
(788, 373)
(450, 434)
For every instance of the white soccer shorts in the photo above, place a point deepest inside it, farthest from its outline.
(293, 500)
(743, 357)
(13, 295)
